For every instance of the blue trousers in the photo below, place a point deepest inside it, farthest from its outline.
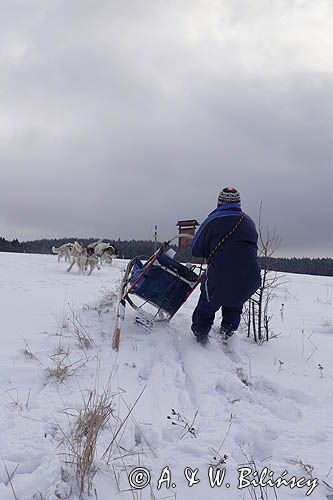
(204, 315)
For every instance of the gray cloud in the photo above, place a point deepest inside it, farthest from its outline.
(119, 115)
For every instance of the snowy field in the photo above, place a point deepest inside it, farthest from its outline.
(267, 406)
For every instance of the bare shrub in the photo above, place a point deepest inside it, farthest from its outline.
(257, 315)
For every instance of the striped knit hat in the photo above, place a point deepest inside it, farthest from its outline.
(228, 195)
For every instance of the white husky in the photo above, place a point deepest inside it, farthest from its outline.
(79, 257)
(64, 251)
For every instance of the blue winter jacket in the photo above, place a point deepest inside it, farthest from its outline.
(233, 274)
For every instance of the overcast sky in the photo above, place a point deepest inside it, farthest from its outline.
(116, 115)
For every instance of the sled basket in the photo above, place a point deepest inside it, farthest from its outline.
(160, 281)
(165, 284)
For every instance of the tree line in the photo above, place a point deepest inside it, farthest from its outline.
(128, 249)
(303, 265)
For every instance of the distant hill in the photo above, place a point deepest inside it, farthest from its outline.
(130, 248)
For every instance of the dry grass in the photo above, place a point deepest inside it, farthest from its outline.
(83, 339)
(105, 305)
(63, 368)
(82, 438)
(15, 402)
(10, 476)
(39, 496)
(122, 425)
(181, 421)
(259, 492)
(29, 355)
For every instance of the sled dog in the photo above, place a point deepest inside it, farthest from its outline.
(64, 251)
(79, 257)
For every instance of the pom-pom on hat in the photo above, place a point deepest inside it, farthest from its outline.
(228, 195)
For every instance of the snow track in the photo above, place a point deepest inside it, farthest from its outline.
(239, 401)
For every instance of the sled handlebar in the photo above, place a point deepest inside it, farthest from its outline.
(182, 235)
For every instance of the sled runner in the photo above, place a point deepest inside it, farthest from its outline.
(156, 287)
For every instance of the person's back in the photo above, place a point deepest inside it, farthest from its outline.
(233, 273)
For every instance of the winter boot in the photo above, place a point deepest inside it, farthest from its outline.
(202, 339)
(226, 334)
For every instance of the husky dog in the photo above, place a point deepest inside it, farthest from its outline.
(100, 246)
(79, 257)
(64, 251)
(92, 256)
(104, 251)
(108, 254)
(93, 245)
(92, 260)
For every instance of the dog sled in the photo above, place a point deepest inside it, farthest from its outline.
(155, 287)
